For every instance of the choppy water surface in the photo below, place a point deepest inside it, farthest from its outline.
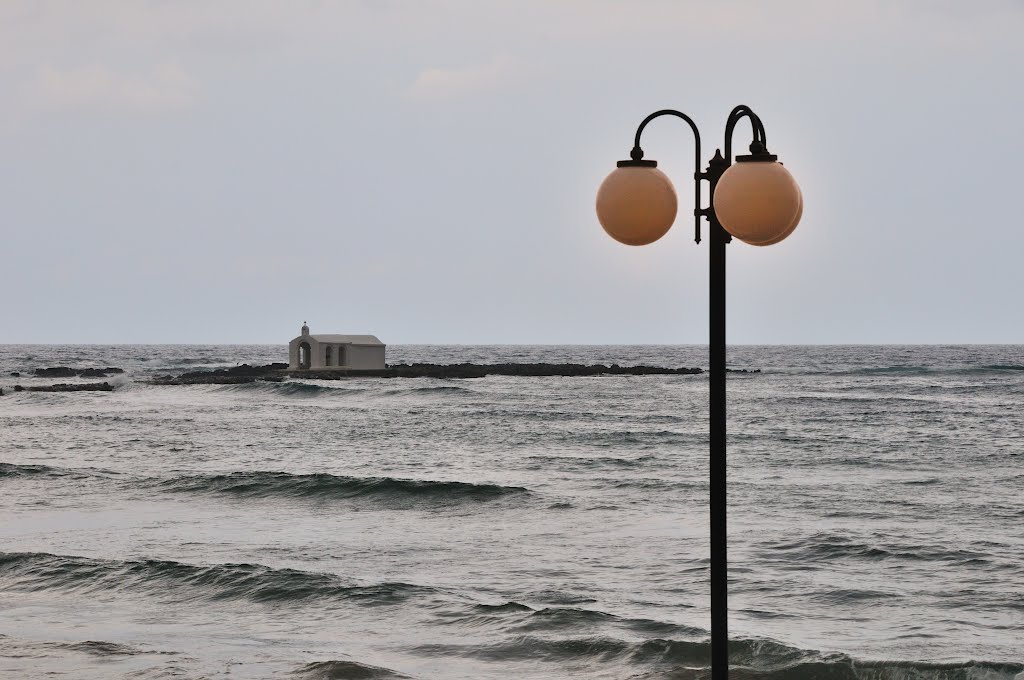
(514, 527)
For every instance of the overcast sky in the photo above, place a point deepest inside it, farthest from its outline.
(217, 172)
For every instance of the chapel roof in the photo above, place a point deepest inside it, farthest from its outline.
(347, 339)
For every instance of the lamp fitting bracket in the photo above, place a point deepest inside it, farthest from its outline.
(758, 154)
(636, 156)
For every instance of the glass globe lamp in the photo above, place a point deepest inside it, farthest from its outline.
(757, 200)
(636, 203)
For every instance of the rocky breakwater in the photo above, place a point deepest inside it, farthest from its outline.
(539, 370)
(66, 387)
(66, 372)
(279, 371)
(225, 376)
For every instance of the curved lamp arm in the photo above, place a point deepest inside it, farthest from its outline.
(637, 154)
(759, 145)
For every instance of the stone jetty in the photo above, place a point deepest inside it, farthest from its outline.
(279, 371)
(66, 387)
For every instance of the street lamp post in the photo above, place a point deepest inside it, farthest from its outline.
(757, 201)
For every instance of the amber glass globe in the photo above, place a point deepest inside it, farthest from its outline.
(758, 202)
(636, 205)
(789, 230)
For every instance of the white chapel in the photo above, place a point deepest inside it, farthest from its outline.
(343, 352)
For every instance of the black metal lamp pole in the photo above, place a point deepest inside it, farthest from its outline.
(719, 237)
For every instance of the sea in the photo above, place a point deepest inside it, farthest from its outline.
(514, 527)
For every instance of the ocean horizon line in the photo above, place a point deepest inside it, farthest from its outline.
(527, 344)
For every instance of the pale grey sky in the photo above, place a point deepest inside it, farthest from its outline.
(221, 171)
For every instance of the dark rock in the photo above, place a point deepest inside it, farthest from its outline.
(239, 371)
(224, 376)
(66, 387)
(19, 388)
(15, 374)
(526, 370)
(276, 372)
(56, 372)
(214, 380)
(65, 372)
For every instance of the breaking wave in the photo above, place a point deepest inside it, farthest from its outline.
(13, 470)
(387, 491)
(178, 581)
(346, 670)
(749, 658)
(922, 369)
(290, 388)
(830, 546)
(101, 648)
(430, 389)
(574, 619)
(524, 635)
(541, 461)
(323, 486)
